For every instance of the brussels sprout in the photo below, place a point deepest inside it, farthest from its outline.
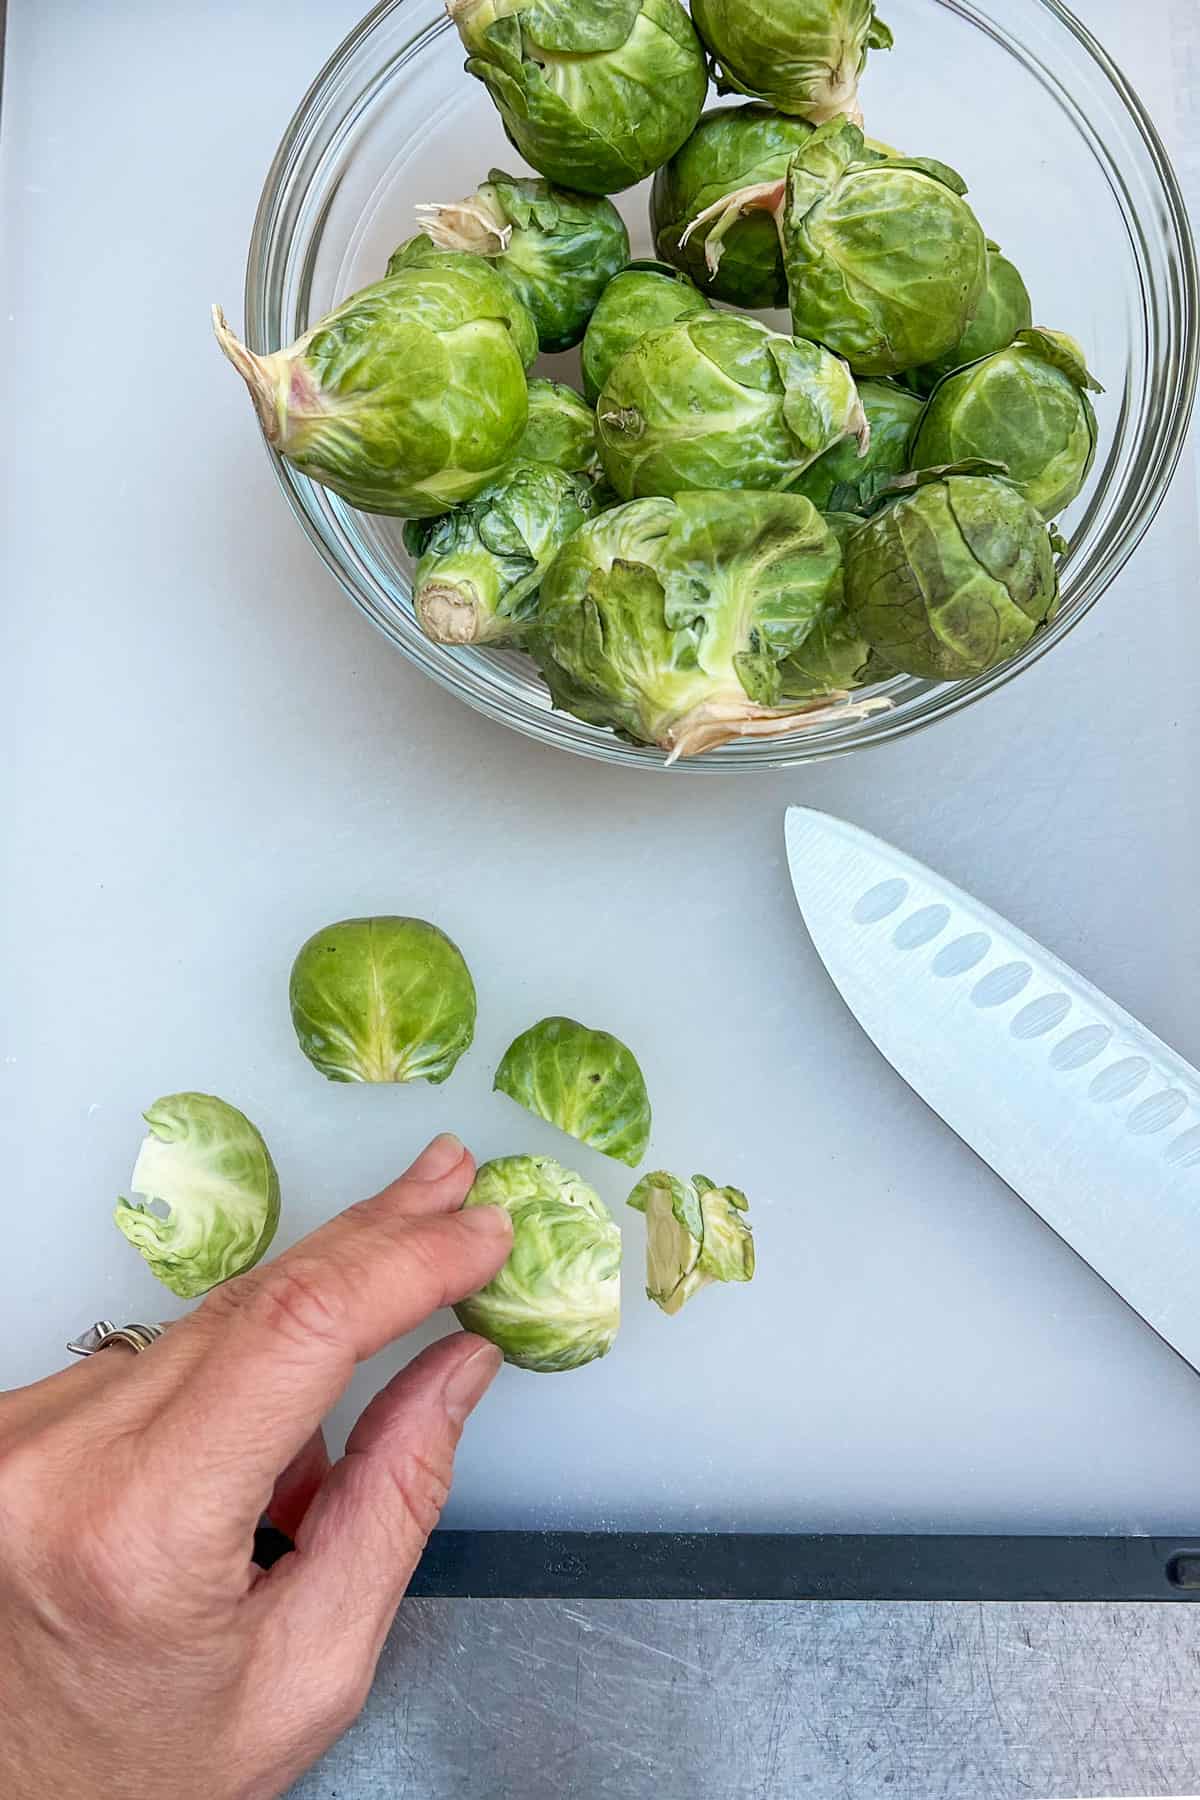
(695, 1235)
(383, 1000)
(668, 619)
(596, 94)
(844, 479)
(557, 250)
(585, 1082)
(1004, 311)
(886, 262)
(408, 399)
(494, 296)
(482, 564)
(645, 297)
(721, 402)
(561, 430)
(1026, 407)
(205, 1163)
(803, 56)
(556, 1303)
(953, 577)
(732, 148)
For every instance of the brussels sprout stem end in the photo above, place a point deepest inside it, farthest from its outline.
(767, 196)
(710, 726)
(254, 372)
(450, 615)
(468, 226)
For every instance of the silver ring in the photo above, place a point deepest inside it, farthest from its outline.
(104, 1333)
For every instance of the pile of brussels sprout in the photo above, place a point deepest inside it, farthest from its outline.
(731, 531)
(391, 1000)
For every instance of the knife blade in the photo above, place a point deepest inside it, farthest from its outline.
(1089, 1118)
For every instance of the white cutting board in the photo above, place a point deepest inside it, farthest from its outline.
(208, 754)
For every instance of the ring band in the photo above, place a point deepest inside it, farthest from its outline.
(104, 1333)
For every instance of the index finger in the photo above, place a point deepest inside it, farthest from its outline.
(277, 1347)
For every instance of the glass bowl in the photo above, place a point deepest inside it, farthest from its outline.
(1081, 196)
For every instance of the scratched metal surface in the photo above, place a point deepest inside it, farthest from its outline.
(529, 1701)
(509, 1700)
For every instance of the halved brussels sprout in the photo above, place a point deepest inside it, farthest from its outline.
(493, 294)
(696, 1234)
(561, 430)
(557, 250)
(722, 402)
(886, 262)
(556, 1303)
(482, 564)
(668, 620)
(595, 94)
(803, 56)
(953, 576)
(1026, 407)
(732, 148)
(408, 399)
(844, 479)
(645, 297)
(383, 1000)
(208, 1168)
(585, 1082)
(1004, 311)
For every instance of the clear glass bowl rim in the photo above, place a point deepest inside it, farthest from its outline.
(937, 701)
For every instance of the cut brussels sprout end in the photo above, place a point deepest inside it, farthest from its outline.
(587, 1083)
(471, 226)
(206, 1204)
(696, 1235)
(556, 1304)
(263, 375)
(454, 616)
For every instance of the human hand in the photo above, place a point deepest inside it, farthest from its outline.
(140, 1649)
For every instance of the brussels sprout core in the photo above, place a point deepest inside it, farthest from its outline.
(207, 1166)
(476, 226)
(556, 1303)
(695, 1235)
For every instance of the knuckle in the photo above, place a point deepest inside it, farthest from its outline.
(295, 1300)
(421, 1487)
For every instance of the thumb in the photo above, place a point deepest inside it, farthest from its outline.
(364, 1533)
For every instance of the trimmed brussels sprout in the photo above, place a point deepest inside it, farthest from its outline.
(595, 94)
(1026, 407)
(561, 430)
(207, 1166)
(696, 1234)
(721, 402)
(645, 297)
(668, 620)
(408, 399)
(953, 577)
(493, 294)
(886, 262)
(732, 148)
(802, 56)
(844, 479)
(1004, 311)
(585, 1082)
(556, 1303)
(383, 1000)
(482, 564)
(557, 250)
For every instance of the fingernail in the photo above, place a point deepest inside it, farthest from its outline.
(445, 1153)
(470, 1381)
(488, 1221)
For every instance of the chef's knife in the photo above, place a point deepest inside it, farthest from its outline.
(1089, 1118)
